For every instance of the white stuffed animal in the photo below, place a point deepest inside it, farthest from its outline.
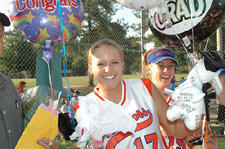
(188, 98)
(200, 75)
(187, 104)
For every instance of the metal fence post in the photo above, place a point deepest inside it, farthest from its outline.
(142, 41)
(219, 39)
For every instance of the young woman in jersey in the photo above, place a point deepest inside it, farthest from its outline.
(160, 64)
(139, 98)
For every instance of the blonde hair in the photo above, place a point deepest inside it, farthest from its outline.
(99, 44)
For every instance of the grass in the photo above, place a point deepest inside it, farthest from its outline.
(80, 80)
(221, 142)
(72, 80)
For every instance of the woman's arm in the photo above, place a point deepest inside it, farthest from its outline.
(176, 128)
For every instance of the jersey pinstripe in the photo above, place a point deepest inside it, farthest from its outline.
(137, 101)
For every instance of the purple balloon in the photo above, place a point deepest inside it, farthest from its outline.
(38, 20)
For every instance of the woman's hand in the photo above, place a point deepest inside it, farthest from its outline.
(47, 144)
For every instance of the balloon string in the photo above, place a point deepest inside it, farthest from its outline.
(206, 45)
(50, 100)
(70, 110)
(192, 29)
(191, 57)
(182, 42)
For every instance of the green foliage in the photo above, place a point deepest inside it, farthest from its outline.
(154, 39)
(80, 66)
(98, 25)
(98, 15)
(132, 56)
(17, 54)
(221, 142)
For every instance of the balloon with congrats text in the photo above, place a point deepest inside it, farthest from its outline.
(142, 4)
(38, 20)
(201, 16)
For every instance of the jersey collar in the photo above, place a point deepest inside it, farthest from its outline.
(123, 98)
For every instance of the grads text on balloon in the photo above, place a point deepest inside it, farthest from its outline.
(180, 10)
(48, 5)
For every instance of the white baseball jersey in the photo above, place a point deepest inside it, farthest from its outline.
(137, 101)
(171, 142)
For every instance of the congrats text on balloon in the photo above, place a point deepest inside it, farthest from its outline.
(48, 5)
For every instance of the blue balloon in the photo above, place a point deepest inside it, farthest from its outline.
(38, 20)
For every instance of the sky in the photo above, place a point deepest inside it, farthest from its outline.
(123, 13)
(128, 16)
(4, 9)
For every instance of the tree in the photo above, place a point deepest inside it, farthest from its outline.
(97, 25)
(19, 56)
(79, 66)
(97, 22)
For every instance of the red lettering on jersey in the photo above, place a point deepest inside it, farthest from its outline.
(140, 114)
(171, 142)
(145, 123)
(181, 143)
(116, 139)
(152, 138)
(138, 143)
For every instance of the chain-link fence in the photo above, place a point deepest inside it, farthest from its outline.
(20, 61)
